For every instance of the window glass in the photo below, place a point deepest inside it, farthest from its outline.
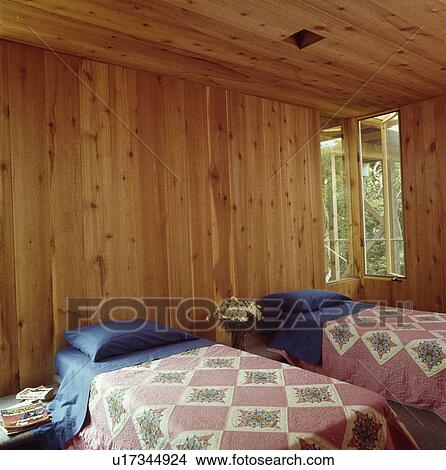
(382, 196)
(336, 197)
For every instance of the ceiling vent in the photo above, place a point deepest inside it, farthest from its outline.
(303, 38)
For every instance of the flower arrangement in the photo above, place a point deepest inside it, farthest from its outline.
(235, 313)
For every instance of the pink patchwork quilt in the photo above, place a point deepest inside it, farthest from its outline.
(221, 398)
(398, 353)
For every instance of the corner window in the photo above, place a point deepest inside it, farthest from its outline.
(382, 195)
(336, 198)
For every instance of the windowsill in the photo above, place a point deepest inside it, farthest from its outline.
(387, 278)
(347, 279)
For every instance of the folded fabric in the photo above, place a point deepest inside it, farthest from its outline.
(114, 338)
(301, 300)
(300, 335)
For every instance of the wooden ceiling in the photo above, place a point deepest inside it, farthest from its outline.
(376, 55)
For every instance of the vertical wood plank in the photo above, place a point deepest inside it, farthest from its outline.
(199, 182)
(315, 232)
(426, 187)
(256, 193)
(179, 253)
(220, 198)
(31, 213)
(127, 261)
(62, 116)
(238, 157)
(292, 180)
(220, 193)
(9, 360)
(152, 224)
(97, 184)
(439, 122)
(277, 259)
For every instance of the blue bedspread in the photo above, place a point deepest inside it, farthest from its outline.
(69, 408)
(301, 334)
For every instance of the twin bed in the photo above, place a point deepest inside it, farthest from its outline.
(398, 353)
(216, 397)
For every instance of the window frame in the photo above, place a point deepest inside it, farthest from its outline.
(390, 276)
(352, 274)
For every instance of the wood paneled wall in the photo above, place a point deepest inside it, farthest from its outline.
(423, 140)
(116, 182)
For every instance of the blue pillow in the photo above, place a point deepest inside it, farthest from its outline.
(113, 338)
(301, 300)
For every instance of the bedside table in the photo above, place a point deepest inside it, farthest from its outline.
(24, 440)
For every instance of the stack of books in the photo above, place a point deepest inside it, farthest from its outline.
(22, 417)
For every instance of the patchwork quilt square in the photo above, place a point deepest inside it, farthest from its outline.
(342, 336)
(405, 326)
(220, 363)
(308, 441)
(258, 419)
(208, 396)
(366, 429)
(170, 377)
(252, 377)
(429, 318)
(382, 344)
(429, 355)
(116, 402)
(151, 425)
(194, 352)
(197, 440)
(95, 393)
(313, 395)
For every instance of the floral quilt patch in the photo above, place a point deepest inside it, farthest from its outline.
(260, 377)
(366, 429)
(197, 440)
(429, 354)
(428, 318)
(95, 394)
(404, 326)
(382, 344)
(116, 404)
(342, 336)
(179, 377)
(312, 395)
(220, 363)
(260, 419)
(194, 352)
(212, 396)
(308, 441)
(151, 426)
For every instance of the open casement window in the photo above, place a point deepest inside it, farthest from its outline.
(336, 199)
(382, 198)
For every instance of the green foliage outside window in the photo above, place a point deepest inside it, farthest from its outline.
(336, 197)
